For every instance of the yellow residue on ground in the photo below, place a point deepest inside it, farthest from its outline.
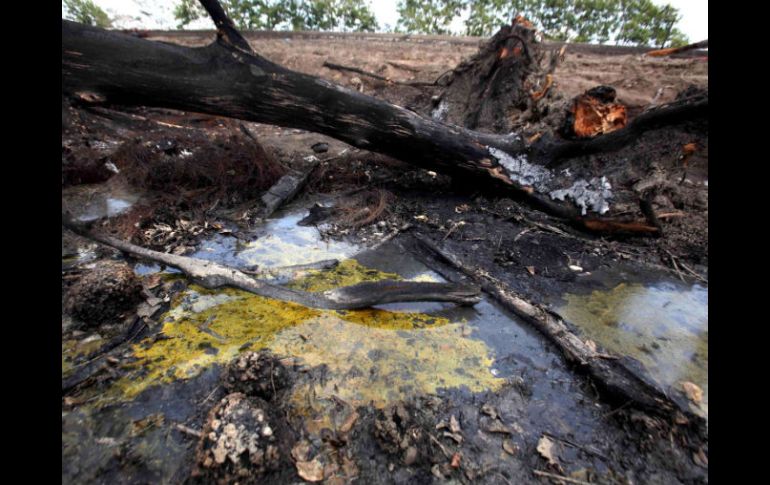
(372, 355)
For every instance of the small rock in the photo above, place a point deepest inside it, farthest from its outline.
(320, 147)
(410, 456)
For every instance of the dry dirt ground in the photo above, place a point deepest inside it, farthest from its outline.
(531, 252)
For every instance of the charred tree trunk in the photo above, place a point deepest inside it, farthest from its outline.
(226, 78)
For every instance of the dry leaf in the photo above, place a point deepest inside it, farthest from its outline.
(301, 451)
(591, 345)
(498, 427)
(312, 471)
(152, 281)
(490, 411)
(545, 448)
(455, 436)
(454, 425)
(349, 467)
(510, 447)
(349, 422)
(694, 393)
(700, 458)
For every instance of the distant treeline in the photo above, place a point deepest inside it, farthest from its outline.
(625, 22)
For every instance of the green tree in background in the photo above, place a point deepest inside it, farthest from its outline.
(636, 22)
(349, 15)
(427, 16)
(85, 12)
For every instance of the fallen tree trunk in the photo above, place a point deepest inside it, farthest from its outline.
(213, 275)
(608, 371)
(226, 78)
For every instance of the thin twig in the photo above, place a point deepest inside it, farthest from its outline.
(673, 261)
(210, 395)
(696, 275)
(575, 445)
(446, 453)
(560, 477)
(615, 411)
(188, 430)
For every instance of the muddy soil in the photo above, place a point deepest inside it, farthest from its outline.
(510, 409)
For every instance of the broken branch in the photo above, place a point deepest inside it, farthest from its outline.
(212, 275)
(617, 379)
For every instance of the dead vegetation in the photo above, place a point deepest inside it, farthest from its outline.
(231, 168)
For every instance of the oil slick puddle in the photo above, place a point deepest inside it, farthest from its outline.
(663, 325)
(371, 355)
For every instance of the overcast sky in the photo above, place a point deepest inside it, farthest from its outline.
(158, 14)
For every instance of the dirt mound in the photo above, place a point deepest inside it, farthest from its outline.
(257, 374)
(104, 293)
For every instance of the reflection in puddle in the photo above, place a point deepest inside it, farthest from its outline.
(91, 202)
(284, 243)
(664, 326)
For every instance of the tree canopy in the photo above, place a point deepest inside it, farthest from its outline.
(635, 22)
(86, 12)
(348, 15)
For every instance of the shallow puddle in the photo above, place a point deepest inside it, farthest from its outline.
(376, 355)
(372, 355)
(280, 242)
(91, 202)
(664, 325)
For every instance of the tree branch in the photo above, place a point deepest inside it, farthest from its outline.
(226, 30)
(213, 275)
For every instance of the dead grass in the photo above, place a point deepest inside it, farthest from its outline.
(364, 208)
(81, 165)
(232, 168)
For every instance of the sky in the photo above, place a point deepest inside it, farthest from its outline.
(160, 15)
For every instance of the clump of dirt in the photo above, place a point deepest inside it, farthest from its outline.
(238, 444)
(104, 293)
(232, 167)
(398, 432)
(80, 165)
(257, 374)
